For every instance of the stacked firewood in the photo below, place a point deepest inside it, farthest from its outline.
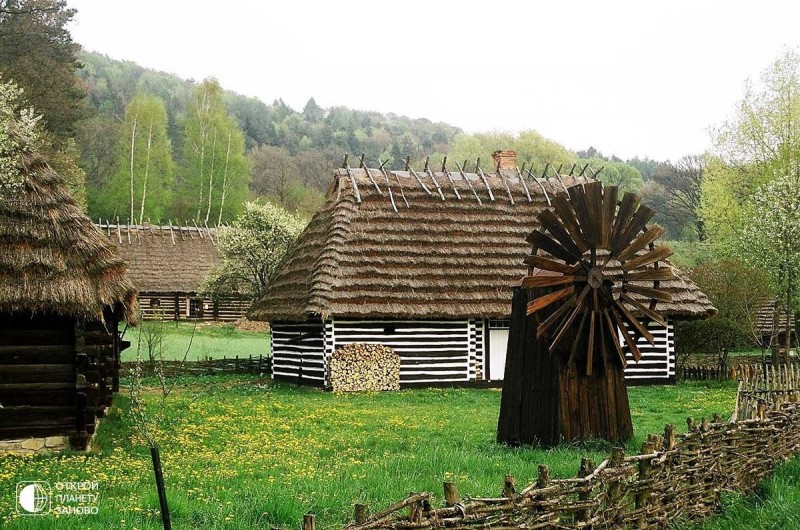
(364, 367)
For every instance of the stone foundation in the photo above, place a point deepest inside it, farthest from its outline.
(35, 445)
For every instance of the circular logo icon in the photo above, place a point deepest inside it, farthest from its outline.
(33, 497)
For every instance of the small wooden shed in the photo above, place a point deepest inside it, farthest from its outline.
(63, 292)
(168, 265)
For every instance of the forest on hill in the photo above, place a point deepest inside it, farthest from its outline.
(138, 144)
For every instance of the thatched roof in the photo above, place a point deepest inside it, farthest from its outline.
(52, 258)
(771, 318)
(165, 259)
(452, 258)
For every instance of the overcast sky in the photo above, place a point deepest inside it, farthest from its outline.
(629, 78)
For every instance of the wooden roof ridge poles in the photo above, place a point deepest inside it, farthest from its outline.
(593, 258)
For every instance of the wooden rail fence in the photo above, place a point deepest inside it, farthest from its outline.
(675, 476)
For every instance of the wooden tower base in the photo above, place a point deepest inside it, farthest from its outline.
(547, 402)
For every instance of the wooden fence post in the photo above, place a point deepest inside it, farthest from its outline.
(510, 486)
(360, 513)
(645, 467)
(415, 512)
(587, 466)
(309, 522)
(450, 494)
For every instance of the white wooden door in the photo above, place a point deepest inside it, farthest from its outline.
(498, 342)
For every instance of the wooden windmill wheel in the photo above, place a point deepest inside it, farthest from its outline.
(600, 253)
(593, 264)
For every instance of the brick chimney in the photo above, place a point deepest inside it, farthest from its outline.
(507, 158)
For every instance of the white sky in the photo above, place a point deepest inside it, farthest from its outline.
(630, 78)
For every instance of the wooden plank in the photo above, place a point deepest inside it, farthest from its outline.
(659, 274)
(590, 347)
(633, 321)
(644, 239)
(548, 299)
(639, 221)
(553, 318)
(548, 264)
(660, 253)
(626, 210)
(36, 373)
(634, 349)
(570, 222)
(545, 281)
(552, 247)
(551, 223)
(614, 338)
(643, 309)
(609, 210)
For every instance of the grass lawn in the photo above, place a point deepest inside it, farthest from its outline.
(250, 454)
(209, 339)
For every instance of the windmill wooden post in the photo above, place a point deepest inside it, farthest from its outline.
(593, 266)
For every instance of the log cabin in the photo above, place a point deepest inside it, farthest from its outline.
(168, 265)
(425, 262)
(63, 292)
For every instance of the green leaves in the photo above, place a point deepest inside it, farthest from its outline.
(252, 248)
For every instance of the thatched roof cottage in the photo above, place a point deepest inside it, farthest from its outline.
(425, 263)
(168, 265)
(63, 291)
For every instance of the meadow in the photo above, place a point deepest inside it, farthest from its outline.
(250, 453)
(206, 339)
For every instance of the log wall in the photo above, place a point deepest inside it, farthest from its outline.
(174, 306)
(57, 377)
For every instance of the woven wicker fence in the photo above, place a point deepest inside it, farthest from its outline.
(253, 364)
(676, 476)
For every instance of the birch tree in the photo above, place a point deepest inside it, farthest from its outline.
(145, 174)
(215, 171)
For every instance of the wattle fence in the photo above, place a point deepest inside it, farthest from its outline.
(676, 476)
(254, 364)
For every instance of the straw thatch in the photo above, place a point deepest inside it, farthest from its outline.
(166, 259)
(452, 258)
(52, 258)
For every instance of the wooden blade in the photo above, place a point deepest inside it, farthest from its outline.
(552, 224)
(637, 224)
(650, 235)
(578, 199)
(643, 309)
(576, 342)
(627, 207)
(544, 301)
(655, 275)
(558, 313)
(627, 336)
(590, 350)
(614, 338)
(529, 282)
(658, 254)
(594, 209)
(649, 292)
(634, 322)
(548, 264)
(609, 209)
(570, 222)
(568, 321)
(541, 241)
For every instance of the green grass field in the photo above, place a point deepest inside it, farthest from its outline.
(249, 454)
(208, 339)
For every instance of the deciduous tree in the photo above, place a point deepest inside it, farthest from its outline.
(144, 177)
(252, 248)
